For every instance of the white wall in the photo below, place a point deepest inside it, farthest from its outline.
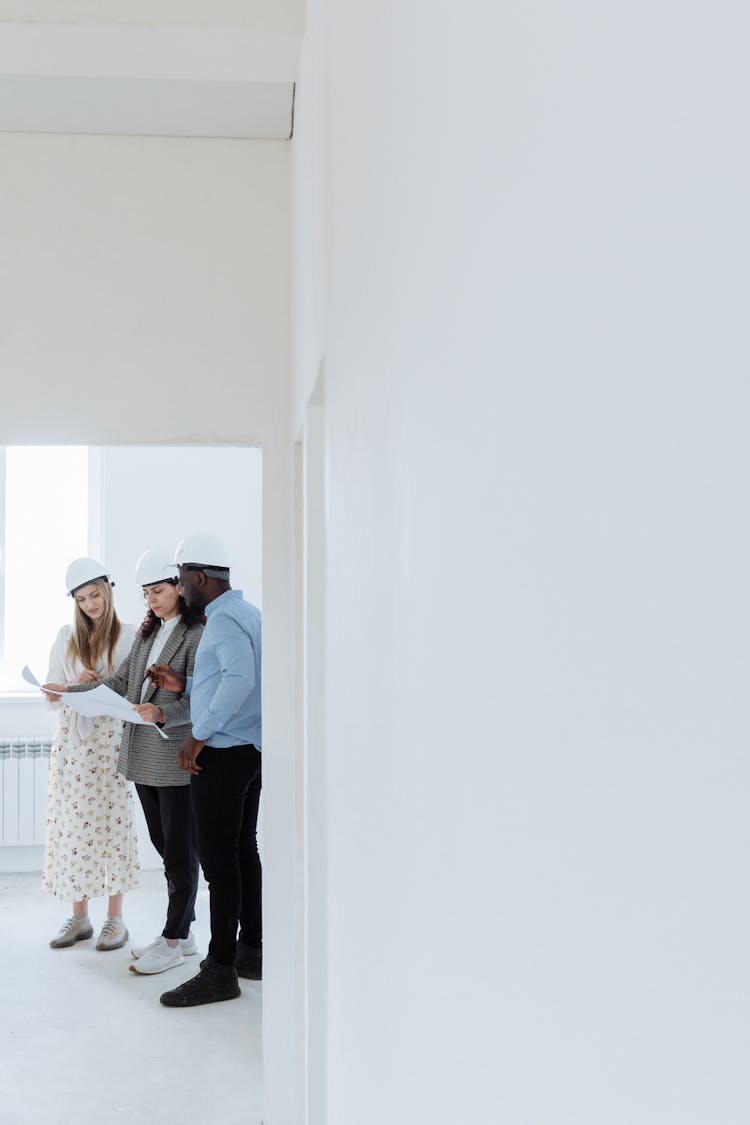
(218, 489)
(140, 277)
(144, 299)
(538, 464)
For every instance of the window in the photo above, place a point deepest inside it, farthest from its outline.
(44, 523)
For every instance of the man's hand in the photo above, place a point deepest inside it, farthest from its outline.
(189, 751)
(165, 677)
(150, 712)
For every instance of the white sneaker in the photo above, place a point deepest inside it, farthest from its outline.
(158, 958)
(187, 945)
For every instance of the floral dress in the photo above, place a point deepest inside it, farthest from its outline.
(91, 847)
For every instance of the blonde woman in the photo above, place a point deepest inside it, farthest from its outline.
(91, 847)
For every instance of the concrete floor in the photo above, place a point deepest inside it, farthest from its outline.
(83, 1039)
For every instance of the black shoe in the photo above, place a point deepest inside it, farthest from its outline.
(214, 982)
(249, 963)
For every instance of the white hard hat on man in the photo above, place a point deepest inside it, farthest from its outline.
(206, 552)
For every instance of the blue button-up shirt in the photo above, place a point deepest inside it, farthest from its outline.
(225, 685)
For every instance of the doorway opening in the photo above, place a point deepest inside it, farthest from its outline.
(112, 503)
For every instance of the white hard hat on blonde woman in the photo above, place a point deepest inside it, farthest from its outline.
(82, 571)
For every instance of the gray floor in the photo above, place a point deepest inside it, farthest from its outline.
(83, 1039)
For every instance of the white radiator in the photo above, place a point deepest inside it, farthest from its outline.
(24, 765)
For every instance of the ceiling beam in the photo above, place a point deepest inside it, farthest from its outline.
(149, 53)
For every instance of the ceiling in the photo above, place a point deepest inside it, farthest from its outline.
(152, 81)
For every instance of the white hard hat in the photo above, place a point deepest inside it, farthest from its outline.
(82, 571)
(155, 566)
(202, 550)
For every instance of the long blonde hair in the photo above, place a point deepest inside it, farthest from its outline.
(89, 640)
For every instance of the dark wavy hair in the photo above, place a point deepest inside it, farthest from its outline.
(151, 622)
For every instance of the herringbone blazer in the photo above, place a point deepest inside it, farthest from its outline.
(145, 756)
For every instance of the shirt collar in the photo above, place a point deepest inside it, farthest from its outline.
(228, 595)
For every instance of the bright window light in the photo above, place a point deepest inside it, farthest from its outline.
(46, 526)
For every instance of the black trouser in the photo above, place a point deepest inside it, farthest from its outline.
(169, 816)
(225, 795)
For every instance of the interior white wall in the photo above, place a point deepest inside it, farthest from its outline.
(131, 286)
(310, 217)
(537, 404)
(144, 298)
(311, 492)
(223, 496)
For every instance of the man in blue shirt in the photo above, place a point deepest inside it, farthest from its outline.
(223, 755)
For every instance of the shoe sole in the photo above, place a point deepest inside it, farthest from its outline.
(250, 974)
(154, 972)
(67, 944)
(182, 1003)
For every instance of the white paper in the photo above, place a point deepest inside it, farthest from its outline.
(100, 700)
(29, 676)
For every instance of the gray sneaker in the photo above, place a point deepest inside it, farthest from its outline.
(113, 933)
(77, 928)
